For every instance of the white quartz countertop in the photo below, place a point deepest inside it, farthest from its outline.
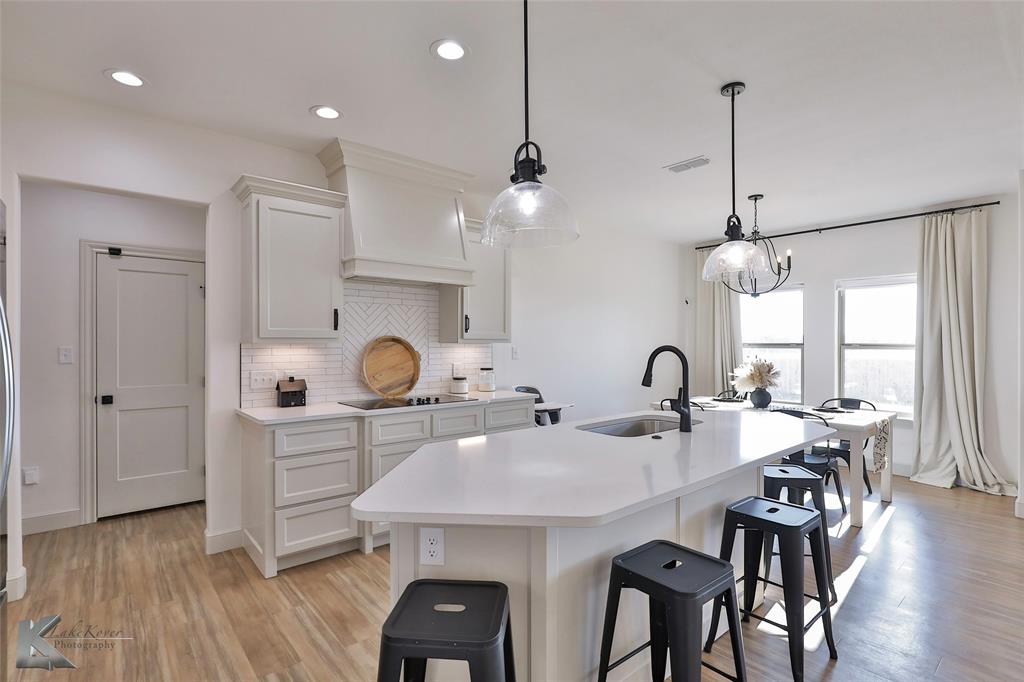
(334, 410)
(562, 476)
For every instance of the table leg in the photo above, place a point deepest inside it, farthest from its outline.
(856, 487)
(887, 471)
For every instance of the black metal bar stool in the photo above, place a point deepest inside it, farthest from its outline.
(791, 523)
(678, 581)
(462, 620)
(798, 482)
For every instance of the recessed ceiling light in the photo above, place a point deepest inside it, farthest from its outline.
(125, 77)
(324, 111)
(447, 49)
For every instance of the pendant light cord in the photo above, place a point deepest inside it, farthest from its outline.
(732, 106)
(526, 73)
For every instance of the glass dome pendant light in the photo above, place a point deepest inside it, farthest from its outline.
(528, 213)
(740, 262)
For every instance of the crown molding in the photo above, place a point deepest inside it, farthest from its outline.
(254, 184)
(340, 154)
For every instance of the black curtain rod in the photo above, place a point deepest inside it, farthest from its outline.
(865, 222)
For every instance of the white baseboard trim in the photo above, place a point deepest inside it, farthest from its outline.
(17, 584)
(1018, 508)
(223, 541)
(42, 523)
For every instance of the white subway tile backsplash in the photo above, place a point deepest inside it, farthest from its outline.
(333, 370)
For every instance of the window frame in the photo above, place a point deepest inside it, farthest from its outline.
(803, 340)
(842, 346)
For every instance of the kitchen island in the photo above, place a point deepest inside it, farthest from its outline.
(544, 511)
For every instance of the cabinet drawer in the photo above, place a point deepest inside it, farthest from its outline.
(505, 415)
(315, 477)
(300, 440)
(449, 423)
(383, 460)
(313, 525)
(399, 428)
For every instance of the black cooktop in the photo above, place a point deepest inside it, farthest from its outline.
(388, 403)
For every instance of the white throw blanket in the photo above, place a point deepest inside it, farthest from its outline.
(881, 444)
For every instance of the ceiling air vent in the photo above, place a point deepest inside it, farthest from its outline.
(688, 164)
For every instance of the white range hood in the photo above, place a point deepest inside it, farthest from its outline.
(404, 218)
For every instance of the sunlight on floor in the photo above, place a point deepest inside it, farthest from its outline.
(844, 583)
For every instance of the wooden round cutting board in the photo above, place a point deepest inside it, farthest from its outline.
(391, 366)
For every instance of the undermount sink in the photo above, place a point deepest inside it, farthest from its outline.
(632, 428)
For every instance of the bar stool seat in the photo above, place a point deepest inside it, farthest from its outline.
(758, 516)
(678, 582)
(798, 481)
(449, 619)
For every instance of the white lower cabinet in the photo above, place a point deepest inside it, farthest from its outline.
(299, 479)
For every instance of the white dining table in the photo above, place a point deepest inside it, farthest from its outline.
(855, 426)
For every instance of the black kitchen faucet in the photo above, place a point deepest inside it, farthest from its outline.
(680, 406)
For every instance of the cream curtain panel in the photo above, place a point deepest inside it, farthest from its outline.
(719, 345)
(952, 286)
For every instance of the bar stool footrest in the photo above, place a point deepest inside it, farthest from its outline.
(631, 654)
(719, 671)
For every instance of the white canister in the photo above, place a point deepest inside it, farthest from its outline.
(460, 385)
(486, 379)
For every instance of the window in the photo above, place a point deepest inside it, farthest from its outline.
(772, 326)
(877, 332)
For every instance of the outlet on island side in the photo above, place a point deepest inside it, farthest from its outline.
(432, 546)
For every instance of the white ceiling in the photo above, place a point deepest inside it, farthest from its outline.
(851, 109)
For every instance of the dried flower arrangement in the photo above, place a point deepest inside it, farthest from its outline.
(757, 373)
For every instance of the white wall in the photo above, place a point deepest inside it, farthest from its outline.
(819, 260)
(74, 141)
(585, 317)
(54, 219)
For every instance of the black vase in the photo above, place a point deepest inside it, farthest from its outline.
(760, 398)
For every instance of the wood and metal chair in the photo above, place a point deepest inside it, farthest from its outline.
(842, 451)
(821, 460)
(542, 417)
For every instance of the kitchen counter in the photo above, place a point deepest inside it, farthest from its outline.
(563, 476)
(333, 410)
(545, 510)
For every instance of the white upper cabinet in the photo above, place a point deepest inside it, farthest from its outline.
(403, 216)
(291, 264)
(483, 312)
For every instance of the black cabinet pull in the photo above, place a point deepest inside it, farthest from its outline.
(335, 319)
(465, 324)
(106, 400)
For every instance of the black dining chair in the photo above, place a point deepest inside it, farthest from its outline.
(555, 416)
(823, 462)
(842, 451)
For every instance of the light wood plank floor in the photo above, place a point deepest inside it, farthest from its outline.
(932, 588)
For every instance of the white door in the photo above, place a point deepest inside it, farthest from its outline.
(149, 383)
(487, 304)
(299, 269)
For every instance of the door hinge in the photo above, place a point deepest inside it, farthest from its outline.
(114, 250)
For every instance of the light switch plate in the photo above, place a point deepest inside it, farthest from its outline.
(263, 380)
(65, 355)
(30, 475)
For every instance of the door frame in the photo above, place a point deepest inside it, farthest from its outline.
(88, 251)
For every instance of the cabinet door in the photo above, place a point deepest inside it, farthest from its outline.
(486, 306)
(299, 269)
(383, 460)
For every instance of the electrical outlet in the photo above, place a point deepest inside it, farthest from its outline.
(432, 546)
(515, 352)
(30, 475)
(65, 355)
(263, 380)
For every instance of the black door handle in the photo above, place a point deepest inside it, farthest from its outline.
(335, 319)
(106, 400)
(465, 324)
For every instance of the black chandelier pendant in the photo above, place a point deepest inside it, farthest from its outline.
(745, 265)
(757, 286)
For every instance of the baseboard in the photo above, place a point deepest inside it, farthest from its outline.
(17, 584)
(1018, 508)
(223, 541)
(42, 523)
